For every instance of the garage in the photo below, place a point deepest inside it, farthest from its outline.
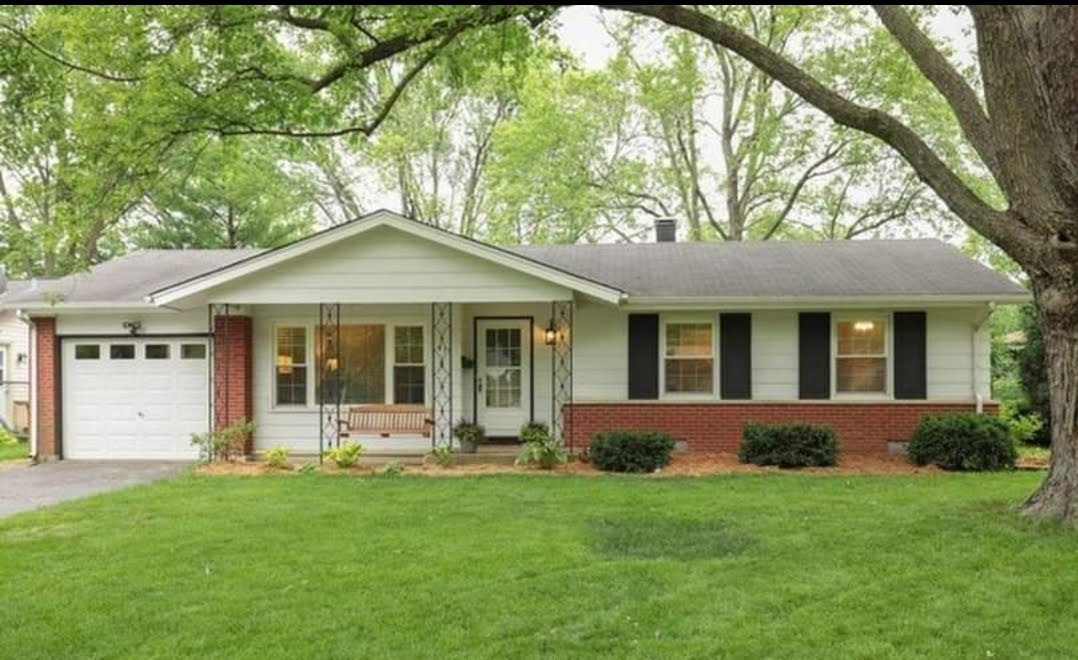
(133, 398)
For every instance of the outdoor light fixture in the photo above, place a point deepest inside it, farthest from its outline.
(550, 335)
(864, 326)
(132, 327)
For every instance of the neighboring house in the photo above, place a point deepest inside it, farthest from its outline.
(14, 365)
(693, 338)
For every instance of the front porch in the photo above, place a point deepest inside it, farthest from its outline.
(296, 370)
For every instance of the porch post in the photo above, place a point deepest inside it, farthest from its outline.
(441, 374)
(329, 366)
(561, 369)
(230, 369)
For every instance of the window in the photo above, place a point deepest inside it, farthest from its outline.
(192, 351)
(122, 352)
(291, 366)
(360, 367)
(156, 351)
(861, 357)
(409, 374)
(87, 352)
(688, 361)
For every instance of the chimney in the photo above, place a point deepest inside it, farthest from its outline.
(665, 230)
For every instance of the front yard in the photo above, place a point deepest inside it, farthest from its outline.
(511, 566)
(10, 451)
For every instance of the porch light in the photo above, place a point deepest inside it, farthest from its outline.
(864, 326)
(550, 335)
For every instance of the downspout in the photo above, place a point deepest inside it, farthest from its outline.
(976, 328)
(21, 315)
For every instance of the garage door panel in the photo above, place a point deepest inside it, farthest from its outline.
(137, 408)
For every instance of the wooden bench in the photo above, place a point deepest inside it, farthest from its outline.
(386, 420)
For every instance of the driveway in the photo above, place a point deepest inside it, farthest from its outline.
(31, 487)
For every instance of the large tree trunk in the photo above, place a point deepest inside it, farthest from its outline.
(1057, 496)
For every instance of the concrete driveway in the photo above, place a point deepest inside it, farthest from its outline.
(24, 487)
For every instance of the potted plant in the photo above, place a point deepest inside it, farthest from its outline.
(469, 435)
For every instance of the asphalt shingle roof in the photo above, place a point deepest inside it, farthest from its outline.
(760, 270)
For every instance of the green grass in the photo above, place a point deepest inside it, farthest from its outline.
(524, 566)
(10, 451)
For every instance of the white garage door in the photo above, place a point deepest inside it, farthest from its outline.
(132, 398)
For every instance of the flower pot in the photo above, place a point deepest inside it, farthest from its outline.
(467, 447)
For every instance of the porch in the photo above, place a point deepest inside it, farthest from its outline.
(296, 371)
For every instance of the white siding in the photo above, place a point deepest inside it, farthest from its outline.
(774, 355)
(600, 352)
(951, 354)
(15, 337)
(385, 265)
(154, 322)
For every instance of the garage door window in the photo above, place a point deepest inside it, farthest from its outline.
(192, 351)
(122, 352)
(157, 351)
(87, 352)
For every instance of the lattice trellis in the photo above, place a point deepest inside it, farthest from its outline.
(561, 357)
(441, 373)
(329, 376)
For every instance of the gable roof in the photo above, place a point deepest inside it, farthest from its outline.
(921, 269)
(184, 288)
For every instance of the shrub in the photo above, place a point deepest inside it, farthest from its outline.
(963, 441)
(346, 455)
(469, 432)
(541, 448)
(226, 444)
(276, 457)
(308, 468)
(788, 445)
(443, 455)
(630, 451)
(534, 431)
(1023, 428)
(393, 469)
(7, 437)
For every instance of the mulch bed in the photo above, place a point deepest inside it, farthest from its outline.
(695, 465)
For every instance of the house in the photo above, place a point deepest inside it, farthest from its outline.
(697, 339)
(14, 365)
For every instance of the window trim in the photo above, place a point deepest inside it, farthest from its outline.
(679, 319)
(888, 344)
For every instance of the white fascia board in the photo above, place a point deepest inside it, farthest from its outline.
(847, 302)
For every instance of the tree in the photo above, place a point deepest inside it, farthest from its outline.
(307, 71)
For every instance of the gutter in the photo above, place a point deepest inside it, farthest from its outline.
(22, 316)
(976, 329)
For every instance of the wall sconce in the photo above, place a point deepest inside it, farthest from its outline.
(550, 335)
(132, 327)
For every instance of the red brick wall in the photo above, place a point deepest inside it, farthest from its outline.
(232, 371)
(47, 396)
(716, 426)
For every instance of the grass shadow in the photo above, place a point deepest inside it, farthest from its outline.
(664, 538)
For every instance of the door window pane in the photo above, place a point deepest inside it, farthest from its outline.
(156, 351)
(87, 352)
(192, 351)
(122, 351)
(502, 380)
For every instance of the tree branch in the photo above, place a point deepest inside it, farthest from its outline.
(963, 100)
(960, 198)
(48, 54)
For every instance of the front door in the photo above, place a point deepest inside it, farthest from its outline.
(503, 375)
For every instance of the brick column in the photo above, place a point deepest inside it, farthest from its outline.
(47, 390)
(232, 372)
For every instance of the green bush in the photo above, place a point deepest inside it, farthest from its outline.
(227, 444)
(393, 469)
(346, 455)
(630, 451)
(1024, 428)
(276, 457)
(540, 448)
(788, 445)
(443, 455)
(963, 441)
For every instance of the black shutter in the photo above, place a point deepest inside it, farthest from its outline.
(911, 354)
(814, 355)
(643, 356)
(735, 356)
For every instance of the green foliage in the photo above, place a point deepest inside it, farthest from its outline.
(277, 457)
(630, 451)
(1033, 372)
(346, 455)
(963, 441)
(392, 469)
(540, 447)
(469, 432)
(443, 455)
(226, 444)
(307, 468)
(788, 445)
(1023, 428)
(7, 437)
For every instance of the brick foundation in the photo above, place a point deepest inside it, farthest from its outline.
(232, 372)
(716, 426)
(47, 390)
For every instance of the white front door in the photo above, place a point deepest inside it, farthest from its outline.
(503, 375)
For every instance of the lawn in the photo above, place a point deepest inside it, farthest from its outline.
(10, 451)
(568, 566)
